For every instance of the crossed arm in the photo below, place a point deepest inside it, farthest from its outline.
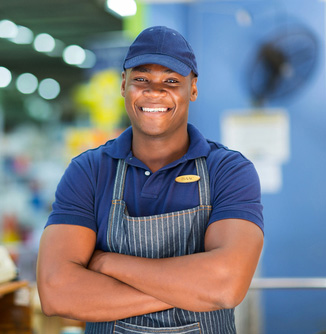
(74, 282)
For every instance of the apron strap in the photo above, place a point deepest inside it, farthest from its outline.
(203, 183)
(120, 180)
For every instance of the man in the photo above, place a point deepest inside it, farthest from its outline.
(160, 230)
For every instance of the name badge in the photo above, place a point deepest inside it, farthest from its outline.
(187, 178)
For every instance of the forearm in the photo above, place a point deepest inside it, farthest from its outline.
(68, 289)
(82, 294)
(217, 278)
(187, 282)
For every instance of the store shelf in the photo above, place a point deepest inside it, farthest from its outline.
(288, 283)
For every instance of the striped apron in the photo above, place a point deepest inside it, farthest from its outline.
(160, 236)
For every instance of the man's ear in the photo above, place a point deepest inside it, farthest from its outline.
(123, 83)
(194, 89)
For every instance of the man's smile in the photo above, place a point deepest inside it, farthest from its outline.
(155, 110)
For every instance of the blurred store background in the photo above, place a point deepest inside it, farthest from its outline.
(262, 90)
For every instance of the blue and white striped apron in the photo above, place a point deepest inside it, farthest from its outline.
(160, 236)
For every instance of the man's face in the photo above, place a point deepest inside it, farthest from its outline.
(157, 99)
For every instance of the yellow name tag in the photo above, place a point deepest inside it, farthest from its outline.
(187, 178)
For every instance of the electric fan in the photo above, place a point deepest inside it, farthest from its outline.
(282, 64)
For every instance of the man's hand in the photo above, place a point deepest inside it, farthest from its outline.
(218, 278)
(69, 289)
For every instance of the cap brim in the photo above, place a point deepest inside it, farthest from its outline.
(164, 60)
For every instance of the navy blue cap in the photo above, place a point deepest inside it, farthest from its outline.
(163, 46)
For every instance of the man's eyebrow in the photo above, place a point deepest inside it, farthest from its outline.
(169, 71)
(145, 69)
(140, 69)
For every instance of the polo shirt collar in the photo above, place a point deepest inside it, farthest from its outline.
(199, 146)
(121, 146)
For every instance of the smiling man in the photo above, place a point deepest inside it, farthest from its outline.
(159, 230)
(157, 101)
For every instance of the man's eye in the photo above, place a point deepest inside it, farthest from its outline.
(140, 79)
(172, 81)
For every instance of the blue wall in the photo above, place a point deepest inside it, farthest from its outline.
(295, 243)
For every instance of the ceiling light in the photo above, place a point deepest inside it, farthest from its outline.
(122, 7)
(49, 89)
(5, 77)
(8, 29)
(24, 36)
(38, 108)
(74, 55)
(27, 83)
(44, 43)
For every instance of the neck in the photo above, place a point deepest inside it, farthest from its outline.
(156, 153)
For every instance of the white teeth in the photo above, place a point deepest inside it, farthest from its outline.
(154, 109)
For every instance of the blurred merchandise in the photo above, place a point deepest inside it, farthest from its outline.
(8, 270)
(43, 324)
(15, 308)
(72, 330)
(78, 140)
(101, 97)
(31, 164)
(10, 230)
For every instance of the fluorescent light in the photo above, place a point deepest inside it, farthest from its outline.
(8, 29)
(122, 7)
(27, 83)
(24, 36)
(49, 89)
(5, 77)
(38, 108)
(44, 43)
(74, 55)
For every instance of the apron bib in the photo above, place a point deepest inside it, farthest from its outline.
(160, 236)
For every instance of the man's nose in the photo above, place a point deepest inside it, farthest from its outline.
(154, 89)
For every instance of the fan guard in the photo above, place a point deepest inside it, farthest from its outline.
(282, 65)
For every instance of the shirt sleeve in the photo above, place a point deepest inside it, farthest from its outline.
(74, 198)
(237, 191)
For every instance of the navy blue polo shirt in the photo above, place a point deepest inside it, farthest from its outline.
(84, 193)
